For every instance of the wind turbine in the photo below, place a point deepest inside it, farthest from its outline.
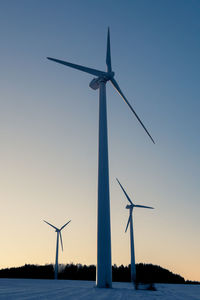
(57, 244)
(104, 265)
(130, 222)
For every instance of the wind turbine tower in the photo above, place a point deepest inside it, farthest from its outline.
(58, 231)
(104, 264)
(130, 222)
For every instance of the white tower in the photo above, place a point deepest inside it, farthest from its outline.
(130, 222)
(58, 231)
(104, 264)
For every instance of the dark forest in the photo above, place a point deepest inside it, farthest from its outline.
(146, 273)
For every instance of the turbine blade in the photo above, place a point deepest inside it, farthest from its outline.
(108, 54)
(78, 67)
(144, 206)
(125, 192)
(50, 225)
(61, 242)
(65, 225)
(129, 219)
(116, 86)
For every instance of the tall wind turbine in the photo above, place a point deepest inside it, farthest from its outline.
(130, 222)
(57, 244)
(104, 265)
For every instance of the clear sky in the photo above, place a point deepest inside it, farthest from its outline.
(49, 130)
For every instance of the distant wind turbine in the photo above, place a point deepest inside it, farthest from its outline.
(104, 264)
(130, 222)
(57, 244)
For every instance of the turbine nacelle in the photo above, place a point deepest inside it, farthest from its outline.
(94, 84)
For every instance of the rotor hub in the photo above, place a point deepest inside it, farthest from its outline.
(129, 206)
(108, 76)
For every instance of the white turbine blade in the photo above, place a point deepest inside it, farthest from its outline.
(108, 54)
(50, 225)
(61, 242)
(129, 219)
(125, 192)
(144, 206)
(78, 67)
(64, 225)
(116, 86)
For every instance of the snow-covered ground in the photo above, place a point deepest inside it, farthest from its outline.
(15, 289)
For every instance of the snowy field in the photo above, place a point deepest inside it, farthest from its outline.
(68, 289)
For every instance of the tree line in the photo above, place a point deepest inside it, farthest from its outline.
(146, 273)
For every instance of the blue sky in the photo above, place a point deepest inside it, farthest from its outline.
(49, 127)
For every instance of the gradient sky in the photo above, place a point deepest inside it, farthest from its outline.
(49, 130)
